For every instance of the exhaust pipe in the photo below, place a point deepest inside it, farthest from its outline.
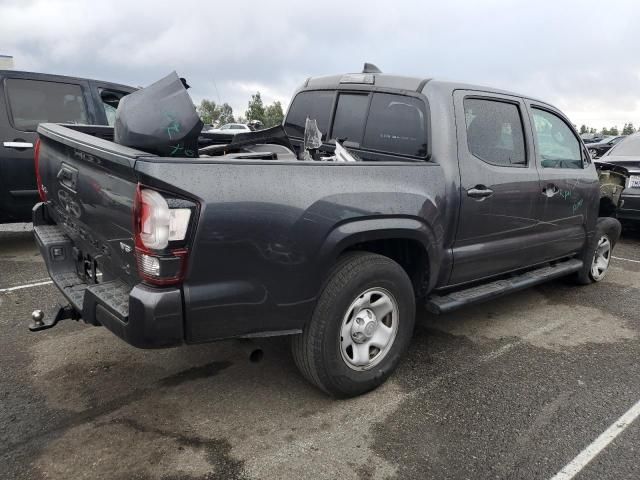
(251, 349)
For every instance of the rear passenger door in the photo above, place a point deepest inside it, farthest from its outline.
(569, 183)
(500, 188)
(28, 102)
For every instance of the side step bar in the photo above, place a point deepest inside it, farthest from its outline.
(450, 301)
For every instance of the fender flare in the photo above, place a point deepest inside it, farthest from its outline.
(350, 233)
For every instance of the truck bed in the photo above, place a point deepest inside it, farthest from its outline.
(265, 235)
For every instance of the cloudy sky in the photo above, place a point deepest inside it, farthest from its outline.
(584, 57)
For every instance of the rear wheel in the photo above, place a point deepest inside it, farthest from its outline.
(361, 326)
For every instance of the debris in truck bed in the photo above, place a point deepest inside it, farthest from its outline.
(159, 119)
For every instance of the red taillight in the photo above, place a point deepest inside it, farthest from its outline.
(36, 161)
(160, 236)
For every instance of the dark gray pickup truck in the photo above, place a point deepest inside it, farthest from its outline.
(450, 194)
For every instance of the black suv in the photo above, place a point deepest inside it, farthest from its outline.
(28, 99)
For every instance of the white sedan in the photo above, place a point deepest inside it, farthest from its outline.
(231, 129)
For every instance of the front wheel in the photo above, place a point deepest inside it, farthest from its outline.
(601, 259)
(360, 328)
(598, 253)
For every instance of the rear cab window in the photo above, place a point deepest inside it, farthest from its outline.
(32, 102)
(312, 104)
(396, 124)
(378, 126)
(348, 122)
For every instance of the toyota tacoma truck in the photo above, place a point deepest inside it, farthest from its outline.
(378, 193)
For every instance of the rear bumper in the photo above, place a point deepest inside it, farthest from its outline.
(630, 208)
(143, 316)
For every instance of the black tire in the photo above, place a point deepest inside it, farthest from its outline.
(607, 228)
(317, 352)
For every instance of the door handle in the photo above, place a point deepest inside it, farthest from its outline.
(17, 144)
(550, 190)
(479, 192)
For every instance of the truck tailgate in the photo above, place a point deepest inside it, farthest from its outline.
(90, 186)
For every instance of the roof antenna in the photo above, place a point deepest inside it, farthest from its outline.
(370, 68)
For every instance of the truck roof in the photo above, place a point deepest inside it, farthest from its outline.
(400, 82)
(53, 76)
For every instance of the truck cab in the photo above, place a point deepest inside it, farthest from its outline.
(521, 186)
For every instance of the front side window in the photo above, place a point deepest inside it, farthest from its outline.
(558, 147)
(396, 124)
(494, 132)
(315, 105)
(36, 101)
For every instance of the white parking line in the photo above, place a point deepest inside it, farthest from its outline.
(589, 453)
(625, 259)
(28, 285)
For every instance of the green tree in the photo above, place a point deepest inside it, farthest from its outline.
(604, 131)
(614, 131)
(208, 111)
(628, 129)
(583, 129)
(214, 114)
(273, 115)
(226, 114)
(255, 110)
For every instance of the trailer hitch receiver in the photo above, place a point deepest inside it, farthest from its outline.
(42, 321)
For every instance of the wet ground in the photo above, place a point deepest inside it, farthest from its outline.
(512, 389)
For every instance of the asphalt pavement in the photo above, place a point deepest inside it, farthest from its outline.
(515, 388)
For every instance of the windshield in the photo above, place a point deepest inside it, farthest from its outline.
(629, 147)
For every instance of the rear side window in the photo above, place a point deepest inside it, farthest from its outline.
(110, 101)
(494, 132)
(351, 113)
(396, 124)
(558, 147)
(313, 104)
(36, 101)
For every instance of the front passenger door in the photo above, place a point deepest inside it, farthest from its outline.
(570, 190)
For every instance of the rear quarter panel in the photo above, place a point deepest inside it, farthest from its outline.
(269, 232)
